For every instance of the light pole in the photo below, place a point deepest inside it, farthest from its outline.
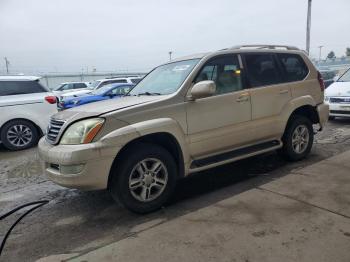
(308, 26)
(170, 53)
(319, 56)
(7, 63)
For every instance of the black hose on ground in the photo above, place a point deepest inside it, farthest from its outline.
(37, 205)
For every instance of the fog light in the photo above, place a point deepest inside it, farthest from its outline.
(71, 169)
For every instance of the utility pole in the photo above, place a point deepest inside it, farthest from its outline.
(319, 56)
(308, 26)
(7, 63)
(170, 53)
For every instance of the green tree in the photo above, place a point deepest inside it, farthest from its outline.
(331, 55)
(347, 51)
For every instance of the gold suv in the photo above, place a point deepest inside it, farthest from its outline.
(185, 116)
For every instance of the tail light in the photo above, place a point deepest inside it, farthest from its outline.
(51, 99)
(320, 80)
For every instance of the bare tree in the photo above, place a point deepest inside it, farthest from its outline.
(347, 52)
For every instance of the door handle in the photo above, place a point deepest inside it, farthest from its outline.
(243, 98)
(284, 92)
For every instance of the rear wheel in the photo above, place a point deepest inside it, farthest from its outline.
(298, 138)
(144, 178)
(19, 134)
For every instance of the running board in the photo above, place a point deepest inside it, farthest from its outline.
(211, 161)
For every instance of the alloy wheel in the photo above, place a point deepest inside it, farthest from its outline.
(148, 179)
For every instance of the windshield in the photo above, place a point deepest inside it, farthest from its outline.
(102, 90)
(94, 84)
(60, 87)
(345, 77)
(165, 79)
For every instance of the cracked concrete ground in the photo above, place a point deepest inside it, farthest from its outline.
(75, 223)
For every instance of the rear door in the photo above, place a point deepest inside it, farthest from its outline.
(269, 93)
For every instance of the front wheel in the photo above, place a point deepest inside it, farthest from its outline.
(144, 179)
(19, 134)
(298, 138)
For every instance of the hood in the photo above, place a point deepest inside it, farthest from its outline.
(102, 107)
(338, 89)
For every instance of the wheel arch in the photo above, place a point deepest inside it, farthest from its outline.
(164, 139)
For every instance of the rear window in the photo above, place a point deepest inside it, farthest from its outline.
(262, 70)
(119, 81)
(294, 67)
(8, 88)
(112, 82)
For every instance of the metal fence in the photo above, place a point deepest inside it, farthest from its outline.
(53, 80)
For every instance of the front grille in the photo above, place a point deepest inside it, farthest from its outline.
(54, 129)
(340, 100)
(55, 166)
(340, 112)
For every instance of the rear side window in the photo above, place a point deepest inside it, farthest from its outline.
(79, 85)
(8, 88)
(294, 67)
(262, 70)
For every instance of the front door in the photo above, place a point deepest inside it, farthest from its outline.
(219, 122)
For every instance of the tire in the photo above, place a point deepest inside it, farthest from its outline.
(331, 117)
(299, 129)
(19, 135)
(142, 199)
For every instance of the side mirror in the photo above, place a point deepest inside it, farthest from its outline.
(203, 89)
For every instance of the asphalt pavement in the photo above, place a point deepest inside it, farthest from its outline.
(253, 206)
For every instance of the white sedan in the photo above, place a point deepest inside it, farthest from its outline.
(337, 95)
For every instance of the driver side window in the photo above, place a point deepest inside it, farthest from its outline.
(224, 71)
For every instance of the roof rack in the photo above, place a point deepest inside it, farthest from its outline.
(265, 47)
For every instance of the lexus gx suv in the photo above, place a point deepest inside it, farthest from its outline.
(185, 116)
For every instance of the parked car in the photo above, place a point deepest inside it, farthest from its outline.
(328, 77)
(69, 87)
(188, 115)
(100, 83)
(26, 107)
(106, 92)
(337, 96)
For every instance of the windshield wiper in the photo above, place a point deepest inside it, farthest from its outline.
(149, 94)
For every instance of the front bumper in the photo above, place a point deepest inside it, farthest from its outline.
(93, 162)
(340, 110)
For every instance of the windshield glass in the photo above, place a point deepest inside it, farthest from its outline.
(165, 79)
(345, 77)
(102, 90)
(94, 84)
(60, 87)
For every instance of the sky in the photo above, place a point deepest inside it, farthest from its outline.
(130, 35)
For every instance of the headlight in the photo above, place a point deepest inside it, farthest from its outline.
(82, 132)
(326, 98)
